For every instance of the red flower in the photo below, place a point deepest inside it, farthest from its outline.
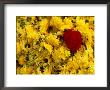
(73, 39)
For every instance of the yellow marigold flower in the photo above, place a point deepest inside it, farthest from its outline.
(26, 70)
(68, 24)
(43, 26)
(21, 60)
(85, 64)
(21, 31)
(52, 40)
(64, 53)
(82, 26)
(81, 22)
(31, 33)
(48, 47)
(20, 46)
(56, 22)
(56, 56)
(77, 56)
(75, 65)
(60, 53)
(23, 70)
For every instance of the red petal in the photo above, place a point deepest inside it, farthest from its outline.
(73, 39)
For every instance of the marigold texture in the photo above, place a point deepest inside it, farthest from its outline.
(55, 45)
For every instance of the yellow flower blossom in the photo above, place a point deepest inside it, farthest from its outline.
(31, 33)
(48, 47)
(20, 46)
(21, 60)
(52, 40)
(43, 26)
(60, 53)
(68, 23)
(56, 22)
(26, 70)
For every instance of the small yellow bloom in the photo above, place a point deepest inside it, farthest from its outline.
(26, 70)
(43, 26)
(31, 33)
(48, 47)
(56, 22)
(21, 60)
(52, 40)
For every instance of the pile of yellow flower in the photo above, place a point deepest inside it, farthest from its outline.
(40, 48)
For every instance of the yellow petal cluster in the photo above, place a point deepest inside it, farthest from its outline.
(41, 49)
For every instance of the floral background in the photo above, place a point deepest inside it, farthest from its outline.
(55, 45)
